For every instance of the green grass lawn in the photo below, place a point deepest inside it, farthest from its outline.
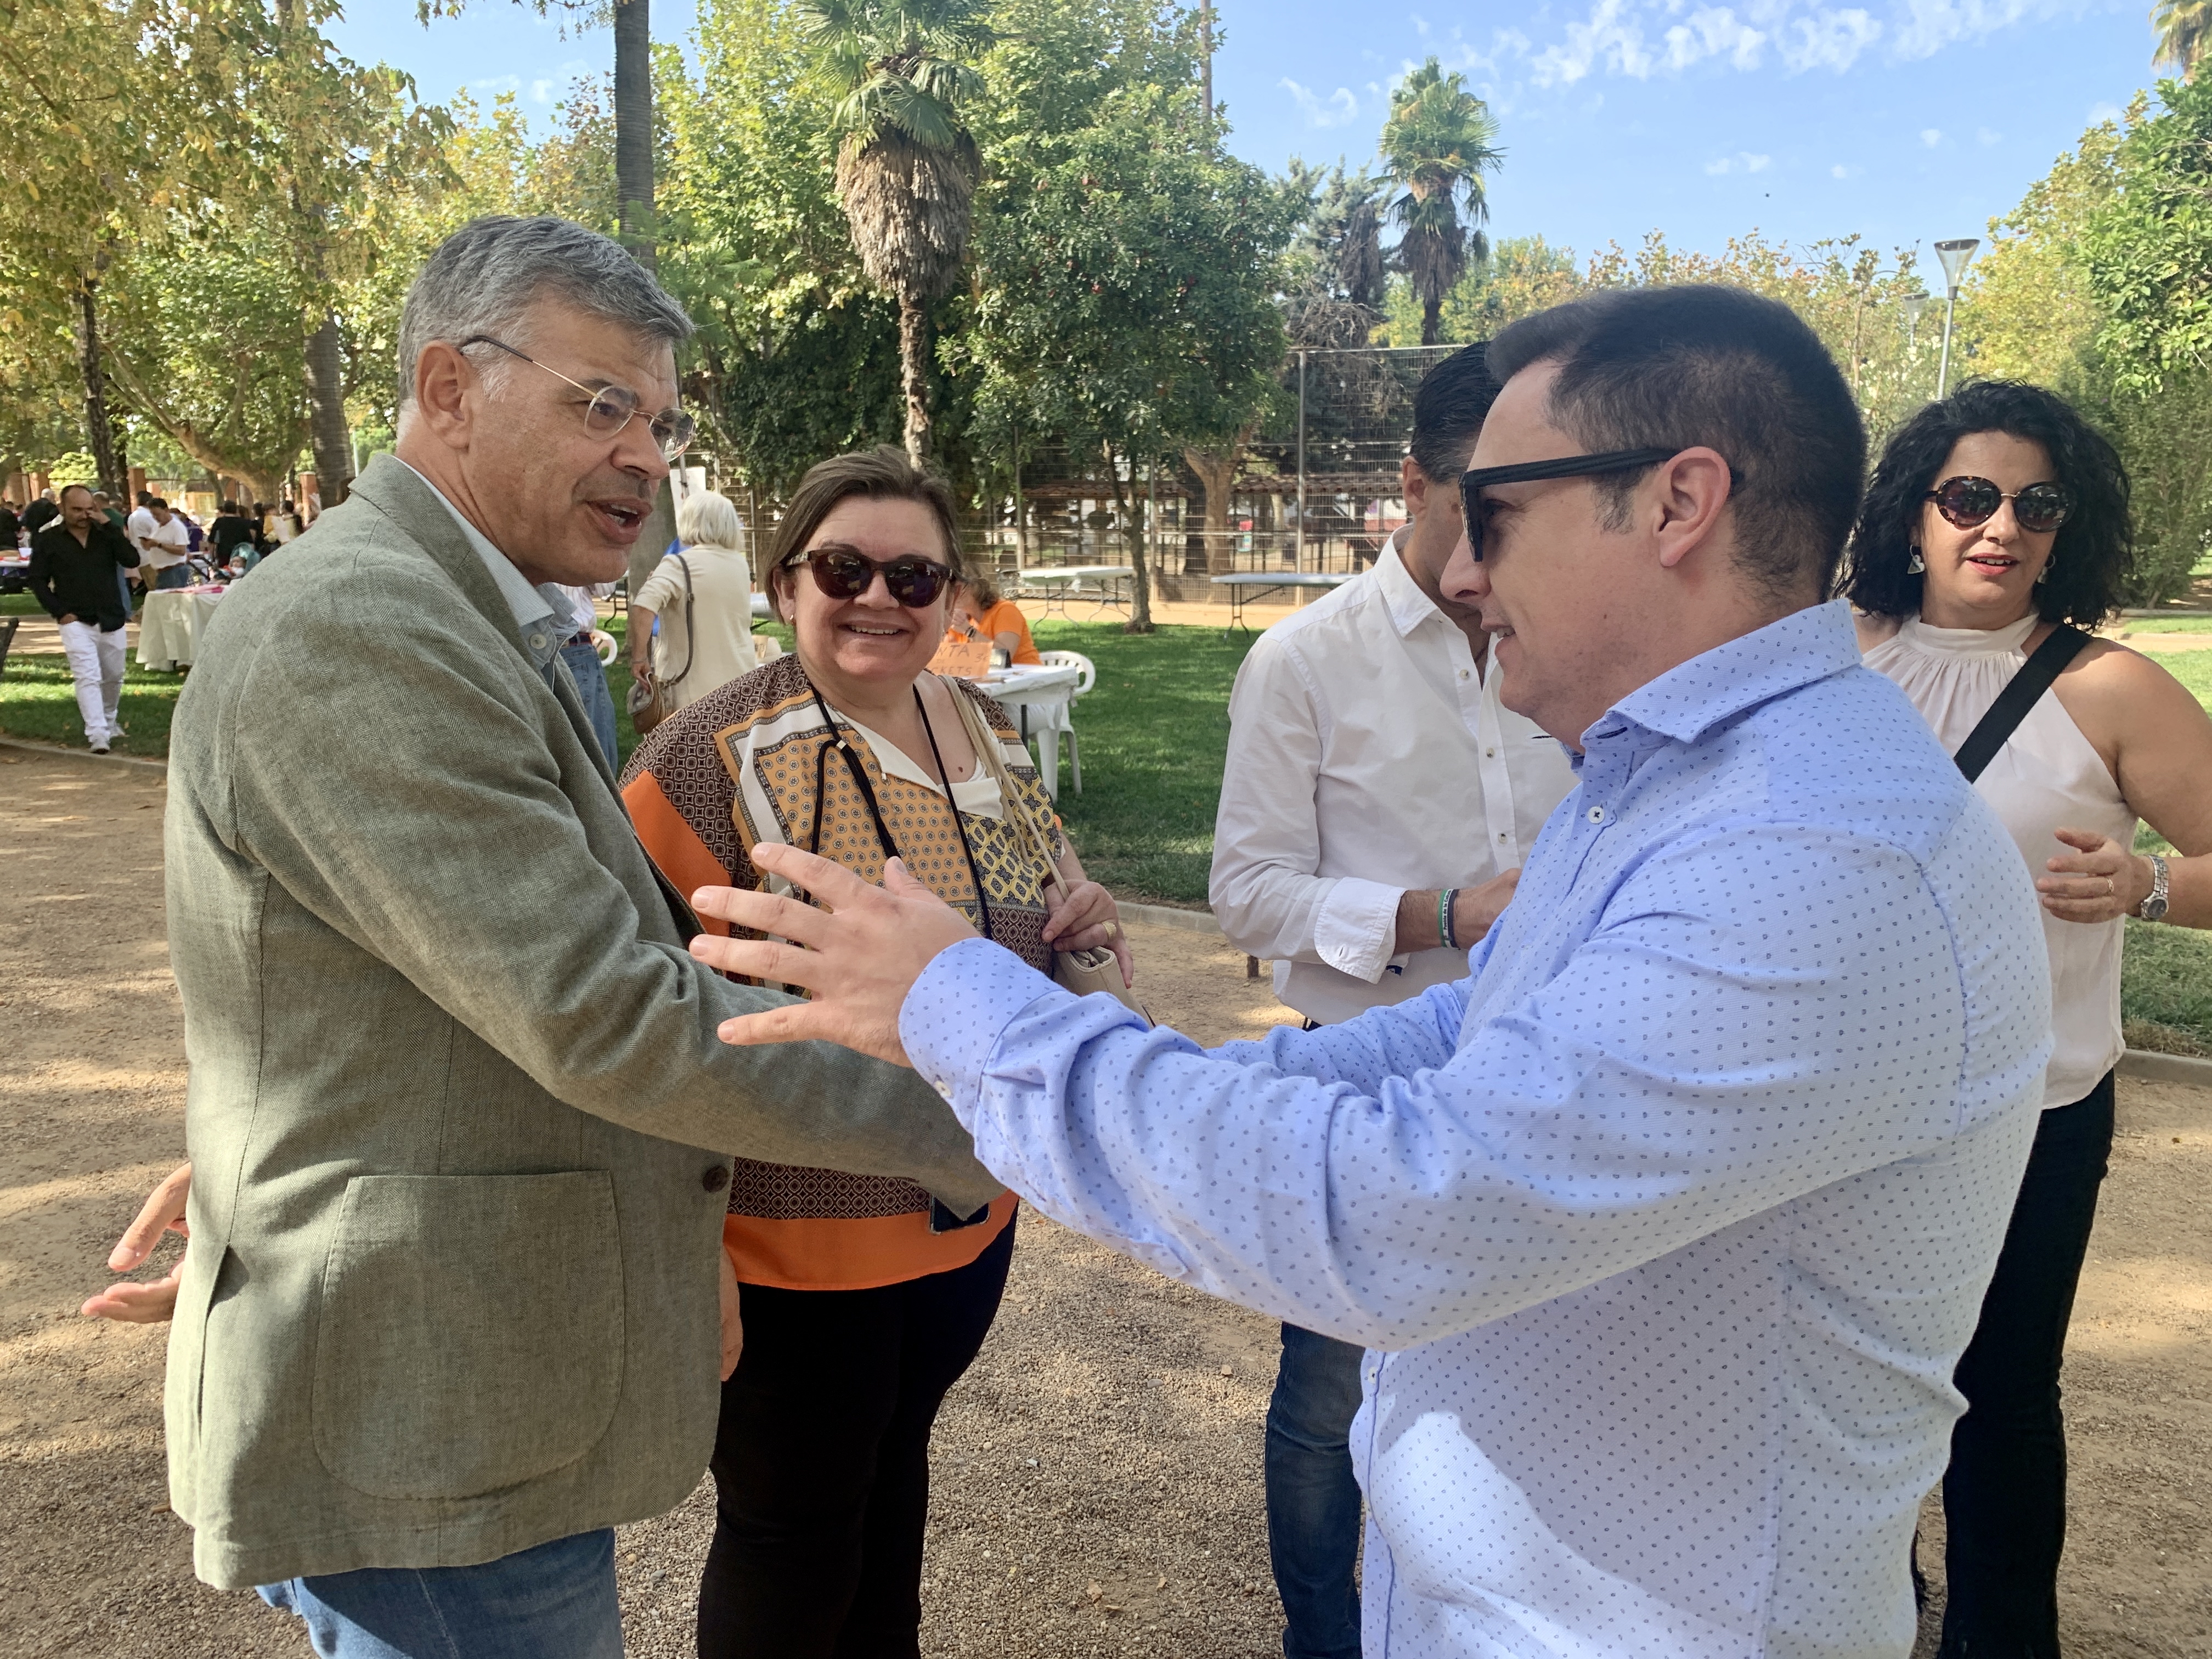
(38, 701)
(2165, 625)
(19, 604)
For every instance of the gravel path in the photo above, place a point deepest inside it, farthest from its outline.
(1096, 1473)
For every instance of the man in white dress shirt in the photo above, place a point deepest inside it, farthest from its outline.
(1374, 784)
(1666, 1228)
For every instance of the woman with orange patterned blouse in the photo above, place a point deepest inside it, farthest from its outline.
(862, 1301)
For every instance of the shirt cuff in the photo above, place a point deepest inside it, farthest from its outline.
(954, 1014)
(1356, 927)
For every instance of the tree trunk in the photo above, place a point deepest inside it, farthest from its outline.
(634, 128)
(1432, 313)
(914, 372)
(99, 432)
(1216, 470)
(1133, 539)
(328, 434)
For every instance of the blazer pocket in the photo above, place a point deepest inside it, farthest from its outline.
(471, 1332)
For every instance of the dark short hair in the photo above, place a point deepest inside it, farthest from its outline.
(2094, 549)
(156, 501)
(1670, 367)
(1450, 406)
(884, 473)
(67, 488)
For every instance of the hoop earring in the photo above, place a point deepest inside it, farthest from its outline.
(1916, 565)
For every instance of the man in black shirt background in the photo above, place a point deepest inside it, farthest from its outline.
(230, 531)
(73, 565)
(41, 513)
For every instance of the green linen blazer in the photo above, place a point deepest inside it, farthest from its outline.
(452, 1285)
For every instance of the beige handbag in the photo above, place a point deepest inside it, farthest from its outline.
(1084, 972)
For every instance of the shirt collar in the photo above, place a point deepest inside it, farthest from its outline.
(1401, 596)
(1689, 700)
(530, 605)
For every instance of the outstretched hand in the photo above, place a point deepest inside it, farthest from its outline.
(147, 1303)
(858, 956)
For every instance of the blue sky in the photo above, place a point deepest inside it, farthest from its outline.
(1904, 120)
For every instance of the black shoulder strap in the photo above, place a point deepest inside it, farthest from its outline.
(2019, 694)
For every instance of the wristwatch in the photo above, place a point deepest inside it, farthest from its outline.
(2154, 908)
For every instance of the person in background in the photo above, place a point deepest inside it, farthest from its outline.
(581, 654)
(139, 526)
(1998, 518)
(72, 577)
(862, 1302)
(166, 549)
(11, 527)
(702, 599)
(977, 609)
(41, 513)
(233, 535)
(1376, 804)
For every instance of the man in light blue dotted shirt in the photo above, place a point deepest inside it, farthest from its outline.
(1666, 1228)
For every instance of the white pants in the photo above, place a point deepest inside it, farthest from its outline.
(95, 661)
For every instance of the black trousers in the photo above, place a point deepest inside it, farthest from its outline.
(822, 1463)
(2004, 1495)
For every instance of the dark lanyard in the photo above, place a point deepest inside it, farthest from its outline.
(859, 772)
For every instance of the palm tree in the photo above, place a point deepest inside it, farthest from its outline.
(906, 162)
(1437, 141)
(2184, 29)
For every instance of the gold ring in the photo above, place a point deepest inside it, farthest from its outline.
(1113, 928)
(2109, 888)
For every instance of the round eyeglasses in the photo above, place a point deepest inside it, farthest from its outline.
(612, 408)
(1970, 502)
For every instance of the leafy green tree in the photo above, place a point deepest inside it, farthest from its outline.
(907, 163)
(2148, 250)
(1438, 141)
(796, 354)
(205, 340)
(1126, 277)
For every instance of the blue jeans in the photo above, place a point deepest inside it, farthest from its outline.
(599, 702)
(555, 1601)
(1313, 1501)
(175, 575)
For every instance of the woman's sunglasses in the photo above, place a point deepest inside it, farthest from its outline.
(915, 583)
(1969, 502)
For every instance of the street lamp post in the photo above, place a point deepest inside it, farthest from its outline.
(1914, 304)
(1954, 254)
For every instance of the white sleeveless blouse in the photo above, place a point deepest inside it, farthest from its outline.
(2047, 775)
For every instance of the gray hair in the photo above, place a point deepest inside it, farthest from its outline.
(705, 519)
(483, 277)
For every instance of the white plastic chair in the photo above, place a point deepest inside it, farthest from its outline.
(1087, 677)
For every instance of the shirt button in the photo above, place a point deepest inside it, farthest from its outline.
(1490, 754)
(1597, 815)
(715, 1177)
(536, 641)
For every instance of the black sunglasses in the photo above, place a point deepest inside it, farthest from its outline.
(1473, 482)
(843, 574)
(1968, 501)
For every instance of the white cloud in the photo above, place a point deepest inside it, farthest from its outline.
(497, 85)
(2101, 113)
(1420, 25)
(1841, 170)
(1757, 163)
(1931, 137)
(541, 92)
(1338, 108)
(1641, 39)
(1742, 162)
(1984, 137)
(1724, 164)
(1929, 25)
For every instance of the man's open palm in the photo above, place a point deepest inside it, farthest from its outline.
(858, 957)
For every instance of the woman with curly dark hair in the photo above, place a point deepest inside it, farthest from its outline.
(1994, 531)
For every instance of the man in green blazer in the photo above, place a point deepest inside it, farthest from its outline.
(458, 1118)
